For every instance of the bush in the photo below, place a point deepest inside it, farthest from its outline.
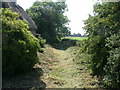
(112, 68)
(41, 41)
(97, 54)
(103, 44)
(19, 46)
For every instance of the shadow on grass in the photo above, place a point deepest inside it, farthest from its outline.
(31, 80)
(64, 44)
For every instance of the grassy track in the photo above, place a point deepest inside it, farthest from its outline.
(60, 67)
(63, 70)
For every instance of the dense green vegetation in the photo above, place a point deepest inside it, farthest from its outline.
(50, 20)
(100, 49)
(19, 47)
(103, 43)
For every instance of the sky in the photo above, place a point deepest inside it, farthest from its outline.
(78, 11)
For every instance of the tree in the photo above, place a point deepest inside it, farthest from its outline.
(50, 20)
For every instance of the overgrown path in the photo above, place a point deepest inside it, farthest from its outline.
(60, 67)
(63, 70)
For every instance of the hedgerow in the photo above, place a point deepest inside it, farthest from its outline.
(103, 43)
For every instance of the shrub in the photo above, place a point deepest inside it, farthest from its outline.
(19, 46)
(103, 44)
(41, 41)
(112, 68)
(95, 47)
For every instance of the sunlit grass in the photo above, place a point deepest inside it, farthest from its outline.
(76, 38)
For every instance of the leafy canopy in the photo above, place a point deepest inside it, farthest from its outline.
(50, 19)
